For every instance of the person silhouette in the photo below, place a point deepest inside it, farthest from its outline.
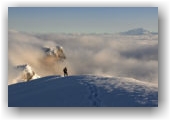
(65, 72)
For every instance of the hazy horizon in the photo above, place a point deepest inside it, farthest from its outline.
(82, 19)
(81, 34)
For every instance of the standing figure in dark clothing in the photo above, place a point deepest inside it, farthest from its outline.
(65, 71)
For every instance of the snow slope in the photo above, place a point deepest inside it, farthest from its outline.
(83, 91)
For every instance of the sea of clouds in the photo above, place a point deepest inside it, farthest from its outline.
(133, 56)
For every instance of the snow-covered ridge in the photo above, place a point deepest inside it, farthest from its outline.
(129, 84)
(83, 90)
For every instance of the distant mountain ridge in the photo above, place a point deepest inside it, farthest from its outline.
(137, 31)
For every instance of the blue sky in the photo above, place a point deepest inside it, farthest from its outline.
(82, 19)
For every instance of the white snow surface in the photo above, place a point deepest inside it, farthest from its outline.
(83, 91)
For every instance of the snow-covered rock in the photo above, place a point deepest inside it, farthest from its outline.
(54, 51)
(25, 74)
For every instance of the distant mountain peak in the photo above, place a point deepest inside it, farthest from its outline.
(137, 31)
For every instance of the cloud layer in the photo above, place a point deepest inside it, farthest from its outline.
(104, 54)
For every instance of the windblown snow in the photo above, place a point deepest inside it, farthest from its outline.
(83, 91)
